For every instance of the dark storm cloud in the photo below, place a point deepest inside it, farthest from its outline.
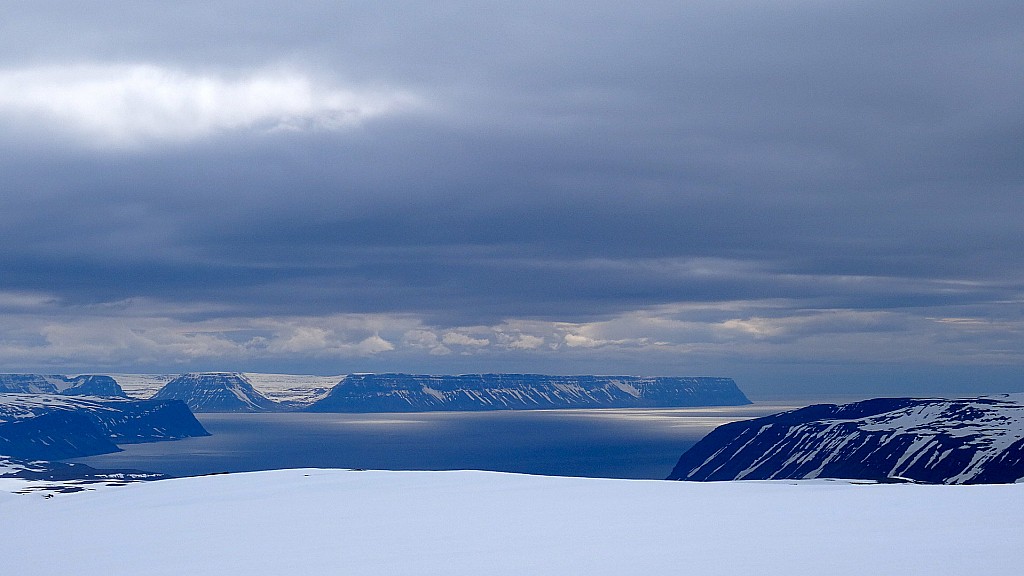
(555, 163)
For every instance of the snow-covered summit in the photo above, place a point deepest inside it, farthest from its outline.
(216, 392)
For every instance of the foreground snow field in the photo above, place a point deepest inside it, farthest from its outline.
(314, 522)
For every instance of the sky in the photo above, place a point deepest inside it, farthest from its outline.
(815, 198)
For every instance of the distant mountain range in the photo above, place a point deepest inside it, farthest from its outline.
(962, 441)
(239, 392)
(418, 393)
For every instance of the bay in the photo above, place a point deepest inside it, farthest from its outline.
(605, 443)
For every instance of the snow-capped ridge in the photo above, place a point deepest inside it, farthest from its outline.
(946, 441)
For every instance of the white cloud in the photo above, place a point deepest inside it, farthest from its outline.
(425, 340)
(757, 327)
(580, 341)
(101, 341)
(119, 105)
(457, 339)
(526, 342)
(25, 300)
(420, 338)
(320, 337)
(373, 345)
(303, 339)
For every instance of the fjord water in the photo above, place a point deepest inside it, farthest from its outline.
(607, 443)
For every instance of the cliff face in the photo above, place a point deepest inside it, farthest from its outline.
(963, 441)
(50, 427)
(414, 393)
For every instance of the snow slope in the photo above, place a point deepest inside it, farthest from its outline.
(330, 522)
(142, 385)
(948, 441)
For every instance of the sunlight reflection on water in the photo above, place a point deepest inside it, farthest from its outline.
(613, 443)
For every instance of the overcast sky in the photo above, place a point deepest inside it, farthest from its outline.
(814, 197)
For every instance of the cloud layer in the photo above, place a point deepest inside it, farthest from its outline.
(811, 196)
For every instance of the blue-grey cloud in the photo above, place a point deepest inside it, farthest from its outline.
(457, 170)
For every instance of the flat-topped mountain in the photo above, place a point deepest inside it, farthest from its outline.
(86, 384)
(962, 441)
(415, 393)
(52, 427)
(216, 392)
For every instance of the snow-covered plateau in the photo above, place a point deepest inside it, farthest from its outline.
(330, 522)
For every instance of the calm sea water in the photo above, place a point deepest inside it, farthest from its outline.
(611, 443)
